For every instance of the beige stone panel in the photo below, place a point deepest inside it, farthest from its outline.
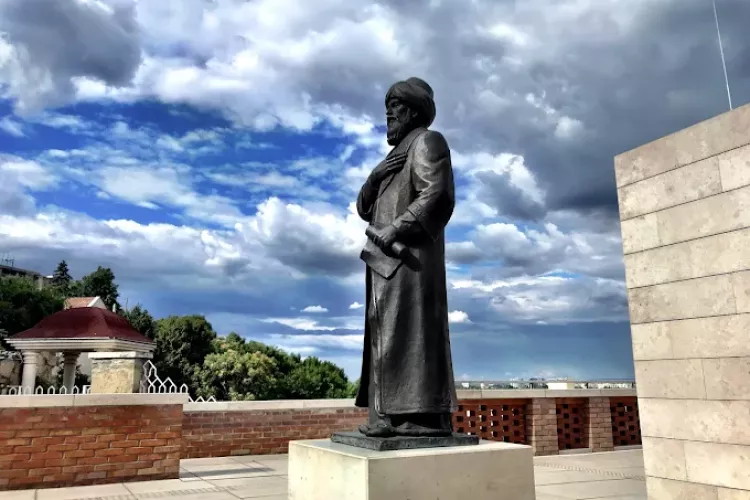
(741, 284)
(727, 378)
(718, 254)
(681, 185)
(734, 167)
(708, 138)
(722, 253)
(668, 489)
(725, 422)
(664, 458)
(713, 215)
(646, 161)
(716, 337)
(651, 341)
(727, 494)
(711, 296)
(716, 135)
(670, 378)
(718, 464)
(659, 265)
(640, 233)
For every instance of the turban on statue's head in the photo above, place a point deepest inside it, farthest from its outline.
(417, 94)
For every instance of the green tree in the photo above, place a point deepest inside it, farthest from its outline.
(182, 344)
(100, 283)
(61, 279)
(353, 389)
(3, 344)
(241, 369)
(23, 305)
(317, 379)
(141, 320)
(237, 376)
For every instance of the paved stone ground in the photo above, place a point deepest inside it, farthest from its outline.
(615, 475)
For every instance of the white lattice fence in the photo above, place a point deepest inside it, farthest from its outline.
(18, 390)
(151, 383)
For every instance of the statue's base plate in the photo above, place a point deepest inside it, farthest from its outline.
(359, 440)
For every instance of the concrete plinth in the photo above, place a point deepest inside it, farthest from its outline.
(323, 470)
(117, 372)
(685, 218)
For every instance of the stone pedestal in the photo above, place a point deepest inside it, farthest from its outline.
(323, 470)
(117, 372)
(685, 211)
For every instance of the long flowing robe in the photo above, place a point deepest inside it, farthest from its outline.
(407, 366)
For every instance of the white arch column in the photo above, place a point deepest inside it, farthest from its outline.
(28, 375)
(70, 362)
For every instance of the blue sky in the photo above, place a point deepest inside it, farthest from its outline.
(210, 154)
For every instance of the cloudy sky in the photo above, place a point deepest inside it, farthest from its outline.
(209, 152)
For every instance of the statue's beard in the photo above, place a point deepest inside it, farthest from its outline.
(397, 130)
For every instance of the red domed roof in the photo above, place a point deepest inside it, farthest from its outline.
(83, 322)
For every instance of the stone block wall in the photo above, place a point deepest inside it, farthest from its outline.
(51, 441)
(685, 218)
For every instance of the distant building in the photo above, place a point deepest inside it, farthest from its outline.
(75, 302)
(10, 270)
(561, 386)
(612, 385)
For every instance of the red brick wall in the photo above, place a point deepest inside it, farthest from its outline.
(492, 419)
(79, 445)
(573, 429)
(626, 428)
(548, 425)
(261, 432)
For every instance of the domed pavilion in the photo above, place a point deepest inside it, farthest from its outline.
(76, 330)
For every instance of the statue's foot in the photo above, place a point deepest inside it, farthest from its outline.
(414, 430)
(378, 429)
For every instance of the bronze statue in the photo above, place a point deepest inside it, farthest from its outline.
(407, 374)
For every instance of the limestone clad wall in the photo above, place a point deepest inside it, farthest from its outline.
(685, 218)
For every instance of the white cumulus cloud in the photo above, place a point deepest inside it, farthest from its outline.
(315, 309)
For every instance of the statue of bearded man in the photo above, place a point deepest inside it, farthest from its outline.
(407, 373)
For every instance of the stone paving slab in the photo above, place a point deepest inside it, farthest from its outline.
(614, 475)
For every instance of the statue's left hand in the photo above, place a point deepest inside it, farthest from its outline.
(384, 236)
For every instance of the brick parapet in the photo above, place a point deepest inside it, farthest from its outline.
(261, 432)
(541, 426)
(600, 424)
(52, 441)
(57, 446)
